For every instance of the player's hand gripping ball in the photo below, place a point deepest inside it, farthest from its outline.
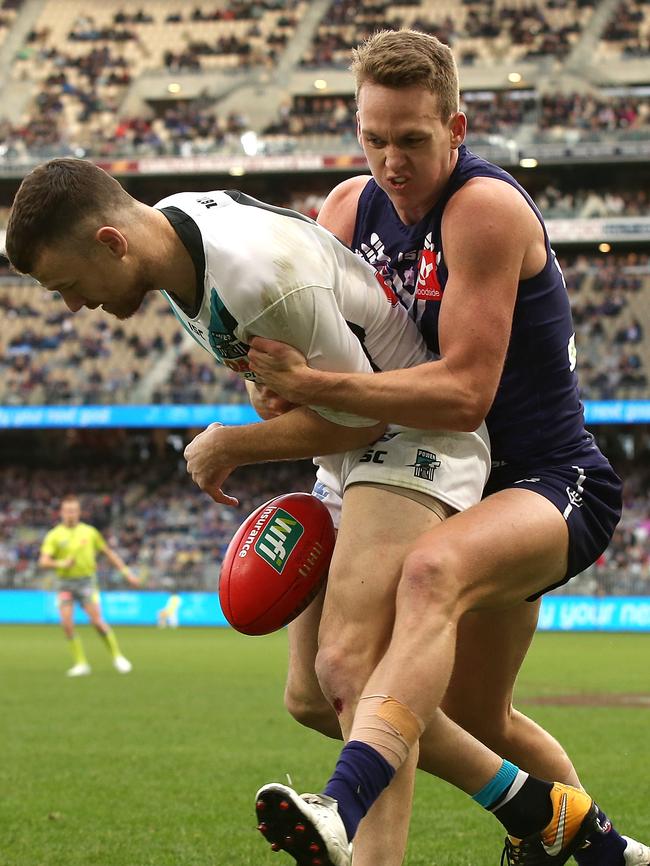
(276, 563)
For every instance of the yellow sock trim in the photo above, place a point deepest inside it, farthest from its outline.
(77, 649)
(111, 642)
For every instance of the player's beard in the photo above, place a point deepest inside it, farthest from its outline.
(132, 300)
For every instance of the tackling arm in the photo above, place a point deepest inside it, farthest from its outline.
(484, 257)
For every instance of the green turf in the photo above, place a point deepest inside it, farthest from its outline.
(158, 768)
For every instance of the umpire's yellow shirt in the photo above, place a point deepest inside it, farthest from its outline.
(81, 542)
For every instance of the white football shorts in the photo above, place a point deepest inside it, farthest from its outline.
(452, 467)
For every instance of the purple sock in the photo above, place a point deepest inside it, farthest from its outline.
(606, 848)
(360, 776)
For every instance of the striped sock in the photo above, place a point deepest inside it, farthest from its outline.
(498, 785)
(526, 807)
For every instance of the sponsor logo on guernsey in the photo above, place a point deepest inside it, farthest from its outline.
(278, 539)
(375, 252)
(426, 463)
(387, 289)
(428, 286)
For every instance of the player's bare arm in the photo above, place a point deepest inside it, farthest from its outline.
(339, 211)
(117, 562)
(294, 435)
(47, 561)
(486, 258)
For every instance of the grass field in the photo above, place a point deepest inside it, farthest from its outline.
(159, 768)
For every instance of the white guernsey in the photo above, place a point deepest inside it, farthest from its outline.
(269, 272)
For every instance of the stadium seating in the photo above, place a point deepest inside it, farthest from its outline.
(80, 60)
(172, 535)
(175, 537)
(480, 32)
(7, 17)
(627, 35)
(49, 356)
(81, 63)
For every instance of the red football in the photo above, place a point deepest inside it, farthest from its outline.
(276, 563)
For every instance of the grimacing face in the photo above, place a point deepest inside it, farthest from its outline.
(70, 512)
(410, 150)
(117, 285)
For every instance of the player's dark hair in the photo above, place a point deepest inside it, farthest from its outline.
(404, 58)
(52, 204)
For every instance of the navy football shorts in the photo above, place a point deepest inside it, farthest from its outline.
(585, 490)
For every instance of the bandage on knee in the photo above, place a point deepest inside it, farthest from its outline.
(388, 726)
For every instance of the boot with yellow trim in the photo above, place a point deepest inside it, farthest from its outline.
(574, 818)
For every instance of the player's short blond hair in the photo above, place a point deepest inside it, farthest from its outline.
(54, 202)
(403, 58)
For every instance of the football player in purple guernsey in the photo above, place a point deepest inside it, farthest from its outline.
(466, 250)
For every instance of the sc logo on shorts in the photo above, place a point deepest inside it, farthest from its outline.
(374, 455)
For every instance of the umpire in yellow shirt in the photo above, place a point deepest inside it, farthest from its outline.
(71, 548)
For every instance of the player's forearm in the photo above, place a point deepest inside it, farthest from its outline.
(116, 560)
(428, 396)
(46, 561)
(298, 434)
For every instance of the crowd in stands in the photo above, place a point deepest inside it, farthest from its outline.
(175, 537)
(558, 203)
(610, 305)
(506, 114)
(50, 356)
(581, 116)
(81, 60)
(485, 32)
(316, 115)
(195, 378)
(628, 33)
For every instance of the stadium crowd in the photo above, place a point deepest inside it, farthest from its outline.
(80, 63)
(175, 537)
(556, 203)
(172, 535)
(487, 32)
(49, 356)
(499, 113)
(628, 32)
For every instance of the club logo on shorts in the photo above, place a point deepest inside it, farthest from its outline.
(278, 539)
(426, 463)
(574, 497)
